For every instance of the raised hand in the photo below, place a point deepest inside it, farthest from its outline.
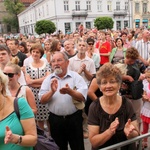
(65, 90)
(114, 125)
(8, 135)
(54, 85)
(128, 129)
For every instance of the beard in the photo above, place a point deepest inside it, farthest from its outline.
(58, 71)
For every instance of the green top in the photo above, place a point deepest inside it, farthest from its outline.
(14, 124)
(113, 53)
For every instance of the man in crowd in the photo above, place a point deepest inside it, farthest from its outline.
(13, 46)
(58, 90)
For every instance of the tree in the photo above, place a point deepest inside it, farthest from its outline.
(104, 23)
(13, 7)
(44, 26)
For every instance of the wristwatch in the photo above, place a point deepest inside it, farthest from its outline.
(19, 140)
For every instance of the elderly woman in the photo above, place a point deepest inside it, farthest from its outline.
(111, 118)
(15, 134)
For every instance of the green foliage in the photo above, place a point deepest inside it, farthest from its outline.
(13, 7)
(44, 26)
(103, 23)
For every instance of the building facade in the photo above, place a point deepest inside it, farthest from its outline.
(141, 13)
(68, 14)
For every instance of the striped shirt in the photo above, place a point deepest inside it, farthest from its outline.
(143, 49)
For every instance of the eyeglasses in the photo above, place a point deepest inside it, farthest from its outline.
(10, 75)
(112, 82)
(90, 43)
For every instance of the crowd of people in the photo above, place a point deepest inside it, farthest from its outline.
(93, 84)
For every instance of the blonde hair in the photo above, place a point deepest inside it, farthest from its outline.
(122, 68)
(14, 64)
(4, 81)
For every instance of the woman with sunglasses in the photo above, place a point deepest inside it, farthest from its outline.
(36, 72)
(118, 53)
(90, 52)
(13, 71)
(15, 134)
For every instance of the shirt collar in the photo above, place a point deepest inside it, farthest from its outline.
(68, 74)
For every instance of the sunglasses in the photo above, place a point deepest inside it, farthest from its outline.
(90, 43)
(10, 75)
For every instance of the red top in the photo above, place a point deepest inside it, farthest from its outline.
(105, 48)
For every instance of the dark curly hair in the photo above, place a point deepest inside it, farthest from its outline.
(132, 53)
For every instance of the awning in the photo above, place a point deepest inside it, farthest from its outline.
(137, 20)
(145, 20)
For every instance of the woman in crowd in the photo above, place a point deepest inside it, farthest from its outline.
(118, 53)
(55, 46)
(36, 72)
(13, 71)
(47, 54)
(23, 48)
(90, 52)
(111, 118)
(15, 134)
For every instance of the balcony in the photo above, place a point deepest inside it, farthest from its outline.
(120, 12)
(146, 14)
(79, 13)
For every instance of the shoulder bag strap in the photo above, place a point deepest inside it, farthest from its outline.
(18, 91)
(16, 108)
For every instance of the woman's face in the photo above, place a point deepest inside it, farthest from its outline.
(21, 48)
(12, 75)
(119, 43)
(47, 45)
(109, 86)
(59, 46)
(36, 54)
(147, 76)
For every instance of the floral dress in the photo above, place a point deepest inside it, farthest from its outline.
(36, 73)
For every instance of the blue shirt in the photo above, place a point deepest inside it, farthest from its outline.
(62, 104)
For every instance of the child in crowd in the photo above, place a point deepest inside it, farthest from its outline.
(145, 111)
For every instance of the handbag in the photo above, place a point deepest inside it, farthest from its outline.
(43, 141)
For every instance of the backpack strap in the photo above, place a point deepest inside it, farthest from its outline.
(16, 108)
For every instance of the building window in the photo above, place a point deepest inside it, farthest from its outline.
(99, 5)
(144, 7)
(77, 5)
(109, 6)
(88, 5)
(43, 11)
(47, 9)
(66, 6)
(117, 5)
(126, 5)
(88, 25)
(137, 7)
(118, 24)
(125, 24)
(67, 27)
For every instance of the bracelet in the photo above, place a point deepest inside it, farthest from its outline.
(19, 140)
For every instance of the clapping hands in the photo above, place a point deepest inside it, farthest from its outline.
(114, 125)
(8, 135)
(128, 129)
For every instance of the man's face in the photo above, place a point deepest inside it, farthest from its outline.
(4, 57)
(146, 34)
(12, 45)
(59, 64)
(68, 46)
(82, 47)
